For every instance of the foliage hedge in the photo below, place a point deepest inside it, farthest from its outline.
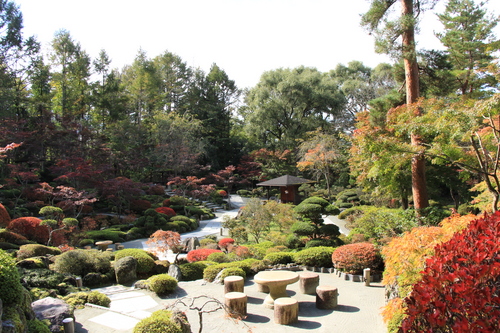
(353, 258)
(200, 254)
(162, 284)
(218, 257)
(79, 299)
(233, 271)
(10, 287)
(145, 261)
(320, 256)
(36, 250)
(116, 236)
(275, 258)
(211, 272)
(12, 237)
(30, 228)
(159, 322)
(83, 262)
(192, 271)
(459, 290)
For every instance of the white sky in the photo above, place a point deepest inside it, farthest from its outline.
(243, 37)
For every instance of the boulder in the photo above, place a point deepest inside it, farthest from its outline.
(191, 243)
(126, 270)
(53, 309)
(175, 272)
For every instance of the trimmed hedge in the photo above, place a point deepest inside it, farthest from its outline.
(320, 256)
(159, 322)
(162, 284)
(36, 250)
(276, 258)
(353, 258)
(192, 271)
(82, 262)
(145, 261)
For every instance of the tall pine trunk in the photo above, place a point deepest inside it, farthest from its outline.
(419, 186)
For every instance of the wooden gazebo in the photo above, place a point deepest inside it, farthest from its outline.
(289, 186)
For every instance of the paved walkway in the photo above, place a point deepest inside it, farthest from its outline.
(358, 310)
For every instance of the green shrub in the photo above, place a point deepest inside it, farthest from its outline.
(315, 256)
(38, 326)
(233, 271)
(10, 287)
(192, 271)
(93, 280)
(86, 242)
(211, 272)
(259, 265)
(41, 278)
(114, 235)
(219, 257)
(79, 299)
(302, 228)
(316, 201)
(36, 250)
(12, 237)
(82, 262)
(145, 262)
(161, 266)
(293, 242)
(159, 322)
(322, 242)
(275, 258)
(162, 284)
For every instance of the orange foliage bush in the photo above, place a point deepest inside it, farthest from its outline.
(353, 258)
(4, 216)
(30, 228)
(199, 254)
(405, 258)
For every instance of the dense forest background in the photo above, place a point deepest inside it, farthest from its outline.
(74, 121)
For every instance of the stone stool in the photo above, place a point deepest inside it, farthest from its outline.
(286, 310)
(103, 245)
(308, 282)
(326, 297)
(236, 304)
(233, 283)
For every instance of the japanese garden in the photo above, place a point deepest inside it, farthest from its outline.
(107, 174)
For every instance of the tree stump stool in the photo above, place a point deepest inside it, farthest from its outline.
(308, 282)
(233, 283)
(286, 310)
(236, 304)
(326, 297)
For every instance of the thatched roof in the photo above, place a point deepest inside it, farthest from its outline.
(285, 181)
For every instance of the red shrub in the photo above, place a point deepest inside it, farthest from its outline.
(156, 190)
(199, 254)
(12, 237)
(459, 291)
(242, 252)
(139, 206)
(4, 216)
(353, 258)
(224, 243)
(166, 203)
(222, 193)
(166, 210)
(30, 228)
(67, 206)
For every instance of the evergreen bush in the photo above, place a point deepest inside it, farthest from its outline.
(145, 261)
(320, 256)
(162, 284)
(159, 322)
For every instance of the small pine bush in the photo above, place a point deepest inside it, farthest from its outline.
(218, 257)
(275, 258)
(192, 271)
(162, 284)
(159, 322)
(233, 271)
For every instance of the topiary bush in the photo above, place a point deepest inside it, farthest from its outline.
(4, 216)
(320, 256)
(145, 261)
(79, 299)
(117, 236)
(192, 271)
(275, 258)
(459, 290)
(159, 322)
(30, 228)
(353, 258)
(232, 271)
(162, 284)
(200, 254)
(36, 250)
(10, 285)
(218, 257)
(83, 262)
(323, 242)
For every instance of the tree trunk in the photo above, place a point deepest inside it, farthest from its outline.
(419, 186)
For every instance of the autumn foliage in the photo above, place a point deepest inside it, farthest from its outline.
(353, 258)
(165, 210)
(200, 254)
(459, 290)
(30, 228)
(224, 243)
(4, 216)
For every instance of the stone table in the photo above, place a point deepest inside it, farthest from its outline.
(277, 282)
(103, 245)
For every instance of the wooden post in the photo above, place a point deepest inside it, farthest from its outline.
(366, 276)
(233, 283)
(308, 283)
(69, 325)
(236, 304)
(326, 297)
(286, 310)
